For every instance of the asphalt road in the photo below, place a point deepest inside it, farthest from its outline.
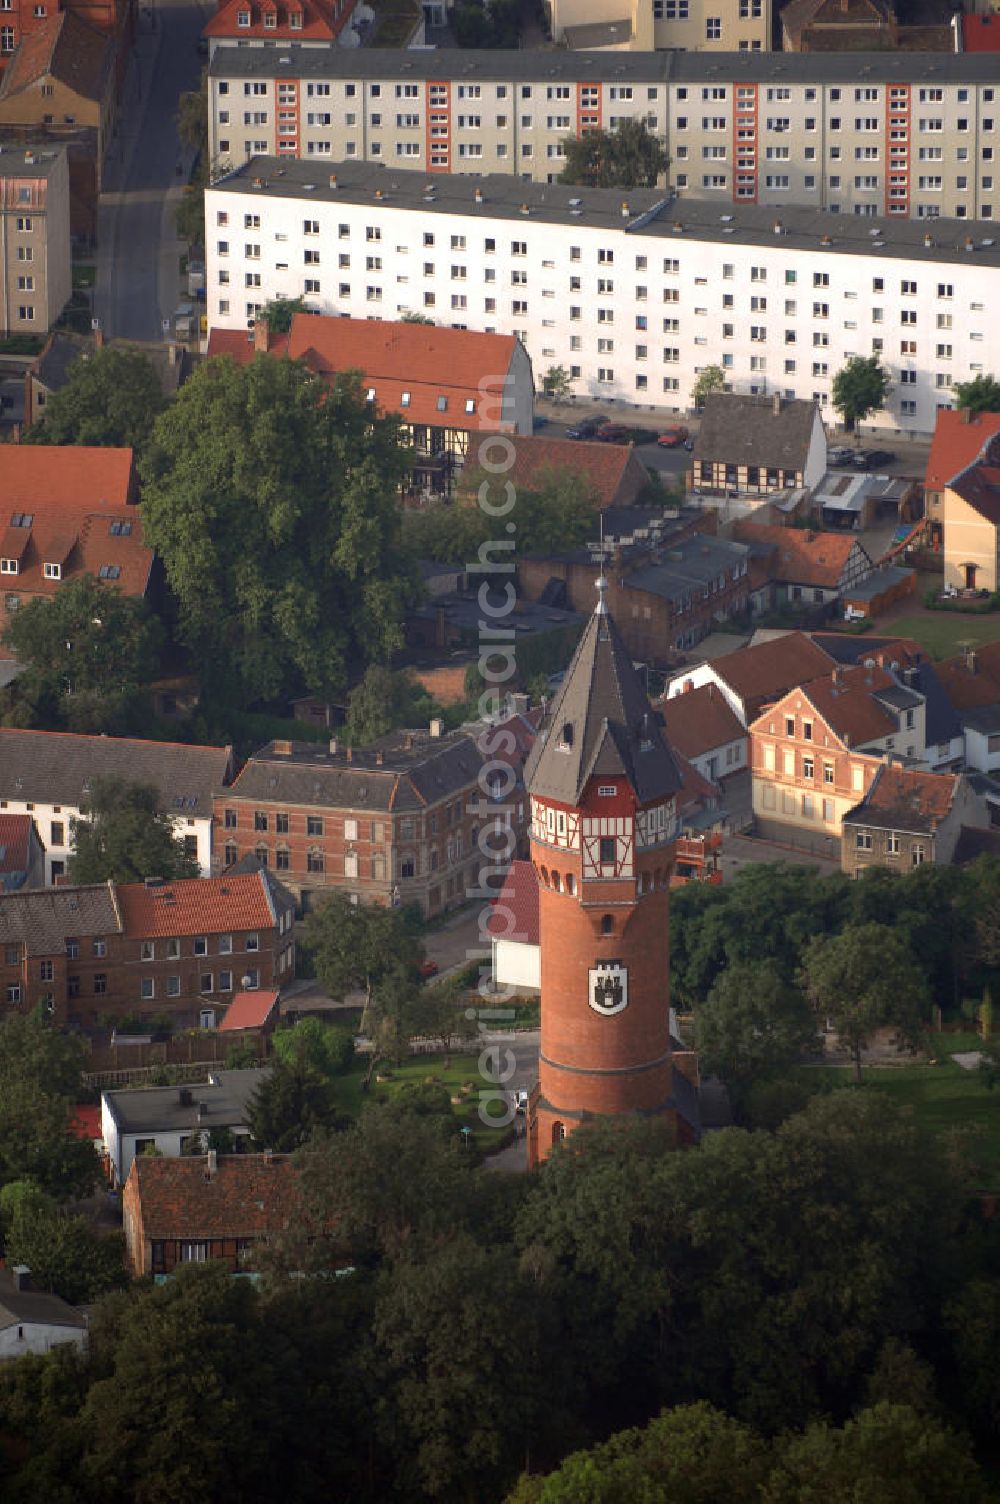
(137, 285)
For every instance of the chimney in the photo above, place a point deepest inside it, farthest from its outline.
(520, 704)
(378, 758)
(171, 351)
(333, 181)
(333, 746)
(268, 1156)
(98, 339)
(626, 211)
(281, 748)
(184, 1097)
(479, 195)
(437, 726)
(965, 415)
(350, 754)
(970, 244)
(202, 1111)
(261, 336)
(837, 676)
(776, 404)
(778, 229)
(22, 1277)
(928, 240)
(970, 660)
(211, 1163)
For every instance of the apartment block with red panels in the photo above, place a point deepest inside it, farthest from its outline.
(405, 820)
(109, 950)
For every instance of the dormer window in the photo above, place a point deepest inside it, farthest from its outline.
(243, 18)
(295, 20)
(8, 566)
(52, 571)
(270, 21)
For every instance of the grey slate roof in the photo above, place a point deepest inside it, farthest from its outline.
(690, 566)
(56, 767)
(983, 718)
(41, 919)
(27, 1307)
(531, 65)
(389, 775)
(601, 724)
(160, 1108)
(737, 430)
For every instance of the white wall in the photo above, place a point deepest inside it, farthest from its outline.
(704, 673)
(38, 1337)
(978, 754)
(168, 1143)
(562, 323)
(45, 814)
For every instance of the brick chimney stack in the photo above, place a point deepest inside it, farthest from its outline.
(261, 336)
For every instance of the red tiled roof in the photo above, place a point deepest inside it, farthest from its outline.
(973, 680)
(699, 720)
(929, 795)
(603, 466)
(86, 1120)
(249, 1010)
(196, 906)
(766, 671)
(848, 706)
(248, 1196)
(514, 915)
(66, 48)
(980, 33)
(15, 837)
(800, 557)
(394, 357)
(320, 22)
(78, 500)
(956, 442)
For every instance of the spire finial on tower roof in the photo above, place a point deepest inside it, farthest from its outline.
(601, 583)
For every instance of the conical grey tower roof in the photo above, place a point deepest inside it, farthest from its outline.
(601, 724)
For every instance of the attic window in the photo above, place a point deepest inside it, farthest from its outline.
(470, 404)
(270, 21)
(21, 519)
(404, 400)
(8, 566)
(243, 18)
(109, 572)
(442, 404)
(370, 394)
(52, 571)
(120, 529)
(295, 20)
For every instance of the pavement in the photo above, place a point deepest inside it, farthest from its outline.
(744, 851)
(145, 172)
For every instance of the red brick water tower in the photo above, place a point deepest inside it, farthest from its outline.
(603, 787)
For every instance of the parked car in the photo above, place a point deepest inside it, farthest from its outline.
(672, 438)
(587, 428)
(539, 421)
(843, 454)
(870, 459)
(615, 433)
(429, 969)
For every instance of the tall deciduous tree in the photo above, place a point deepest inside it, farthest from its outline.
(709, 379)
(40, 1080)
(630, 156)
(111, 399)
(865, 979)
(556, 383)
(752, 1025)
(279, 313)
(860, 387)
(383, 700)
(89, 654)
(293, 1101)
(123, 835)
(980, 395)
(355, 946)
(270, 495)
(64, 1253)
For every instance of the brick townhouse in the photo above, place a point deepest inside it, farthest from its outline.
(398, 821)
(910, 817)
(181, 949)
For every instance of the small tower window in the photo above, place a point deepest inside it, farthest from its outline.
(607, 925)
(566, 739)
(608, 850)
(556, 882)
(570, 883)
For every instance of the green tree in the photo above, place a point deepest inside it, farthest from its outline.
(111, 399)
(40, 1081)
(384, 700)
(866, 979)
(415, 318)
(355, 946)
(293, 1101)
(89, 655)
(270, 495)
(753, 1025)
(980, 395)
(710, 379)
(972, 1319)
(192, 131)
(329, 1050)
(64, 1253)
(279, 313)
(860, 387)
(891, 1453)
(692, 1454)
(556, 383)
(630, 156)
(123, 835)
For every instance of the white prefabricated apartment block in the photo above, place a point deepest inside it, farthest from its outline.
(901, 134)
(632, 293)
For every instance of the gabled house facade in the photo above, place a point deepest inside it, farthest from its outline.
(277, 23)
(803, 567)
(749, 446)
(213, 1206)
(972, 524)
(959, 436)
(752, 677)
(908, 818)
(702, 726)
(166, 1119)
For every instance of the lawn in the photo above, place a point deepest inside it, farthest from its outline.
(942, 1096)
(945, 633)
(461, 1071)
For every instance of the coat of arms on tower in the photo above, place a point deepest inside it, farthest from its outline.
(608, 988)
